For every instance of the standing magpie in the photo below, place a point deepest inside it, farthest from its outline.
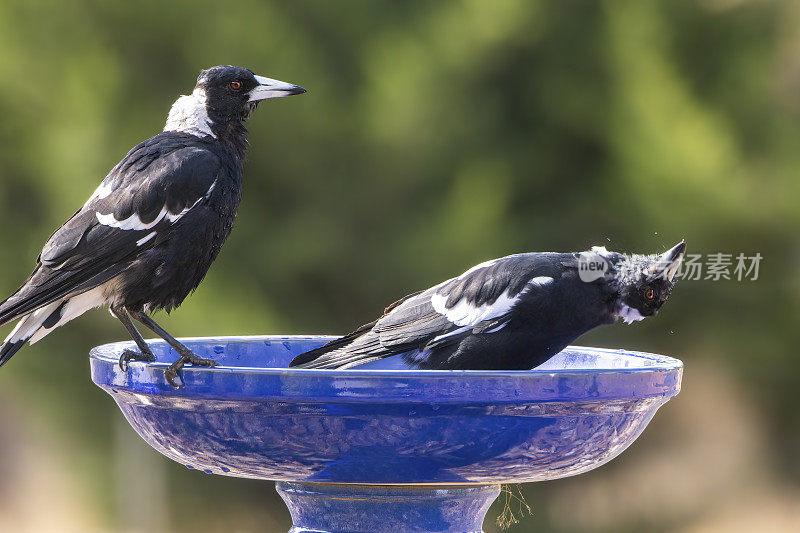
(511, 313)
(146, 237)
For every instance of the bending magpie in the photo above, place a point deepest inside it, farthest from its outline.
(146, 237)
(511, 313)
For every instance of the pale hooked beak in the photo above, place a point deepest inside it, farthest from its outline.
(269, 88)
(669, 262)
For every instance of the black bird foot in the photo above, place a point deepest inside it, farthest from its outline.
(131, 355)
(171, 373)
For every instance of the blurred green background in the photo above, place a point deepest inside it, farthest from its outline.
(434, 135)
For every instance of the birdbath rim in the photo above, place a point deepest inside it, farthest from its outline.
(615, 373)
(112, 350)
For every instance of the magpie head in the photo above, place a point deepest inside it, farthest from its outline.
(224, 97)
(232, 93)
(646, 281)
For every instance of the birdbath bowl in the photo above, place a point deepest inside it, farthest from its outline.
(385, 448)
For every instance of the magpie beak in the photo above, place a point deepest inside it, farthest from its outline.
(269, 88)
(668, 263)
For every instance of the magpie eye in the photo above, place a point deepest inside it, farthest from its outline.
(649, 294)
(236, 85)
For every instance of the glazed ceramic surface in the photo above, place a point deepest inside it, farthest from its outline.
(384, 424)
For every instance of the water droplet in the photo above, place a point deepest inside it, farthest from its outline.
(287, 345)
(208, 471)
(225, 469)
(516, 392)
(219, 348)
(190, 467)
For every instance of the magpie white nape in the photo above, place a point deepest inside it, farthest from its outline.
(146, 237)
(511, 313)
(189, 113)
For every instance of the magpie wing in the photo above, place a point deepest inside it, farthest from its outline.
(479, 300)
(134, 207)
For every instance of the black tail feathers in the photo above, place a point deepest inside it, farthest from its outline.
(311, 355)
(9, 348)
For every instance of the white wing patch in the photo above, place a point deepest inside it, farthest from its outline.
(103, 190)
(463, 313)
(189, 115)
(133, 222)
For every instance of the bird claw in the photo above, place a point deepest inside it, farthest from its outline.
(173, 378)
(132, 355)
(171, 373)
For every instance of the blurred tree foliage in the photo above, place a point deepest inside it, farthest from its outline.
(434, 135)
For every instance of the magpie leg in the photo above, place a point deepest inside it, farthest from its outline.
(144, 353)
(186, 355)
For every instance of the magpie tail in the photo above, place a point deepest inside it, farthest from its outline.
(353, 352)
(309, 359)
(356, 348)
(8, 349)
(28, 326)
(36, 325)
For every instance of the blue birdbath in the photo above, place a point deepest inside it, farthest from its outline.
(386, 449)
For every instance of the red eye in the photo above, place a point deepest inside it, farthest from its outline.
(649, 294)
(236, 85)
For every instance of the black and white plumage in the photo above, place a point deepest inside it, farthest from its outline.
(146, 237)
(511, 313)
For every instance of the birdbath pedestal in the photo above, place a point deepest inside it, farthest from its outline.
(386, 449)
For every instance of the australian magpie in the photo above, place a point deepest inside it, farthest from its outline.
(146, 237)
(511, 313)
